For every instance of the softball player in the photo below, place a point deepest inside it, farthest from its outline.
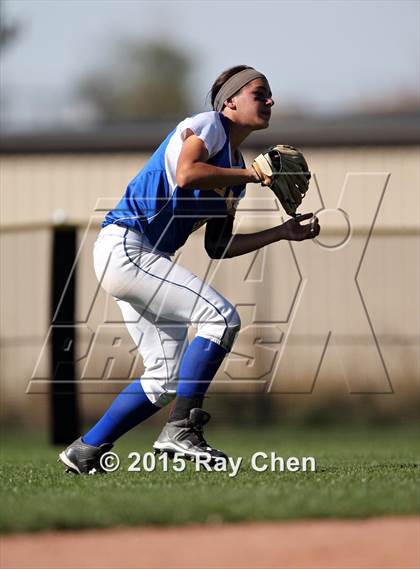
(197, 176)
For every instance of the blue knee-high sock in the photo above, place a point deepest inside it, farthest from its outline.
(128, 409)
(198, 367)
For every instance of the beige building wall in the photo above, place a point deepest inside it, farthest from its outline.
(308, 324)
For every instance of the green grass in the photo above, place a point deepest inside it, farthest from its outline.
(360, 473)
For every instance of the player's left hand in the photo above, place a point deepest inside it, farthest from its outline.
(284, 169)
(292, 230)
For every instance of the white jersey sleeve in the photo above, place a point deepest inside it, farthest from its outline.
(207, 126)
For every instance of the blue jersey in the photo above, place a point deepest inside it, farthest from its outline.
(153, 204)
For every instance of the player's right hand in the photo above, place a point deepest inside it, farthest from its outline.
(292, 230)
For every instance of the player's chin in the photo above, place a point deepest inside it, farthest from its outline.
(264, 120)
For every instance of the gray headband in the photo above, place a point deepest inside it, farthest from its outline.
(234, 84)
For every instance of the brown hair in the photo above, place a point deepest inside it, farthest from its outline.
(223, 77)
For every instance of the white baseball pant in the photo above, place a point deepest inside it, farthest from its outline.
(159, 300)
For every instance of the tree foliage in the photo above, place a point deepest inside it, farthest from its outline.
(145, 81)
(8, 30)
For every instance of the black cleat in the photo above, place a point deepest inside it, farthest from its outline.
(185, 437)
(80, 458)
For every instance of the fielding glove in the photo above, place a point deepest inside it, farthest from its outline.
(285, 171)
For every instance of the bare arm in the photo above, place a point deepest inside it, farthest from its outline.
(193, 171)
(248, 242)
(220, 242)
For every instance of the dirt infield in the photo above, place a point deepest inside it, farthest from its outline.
(383, 543)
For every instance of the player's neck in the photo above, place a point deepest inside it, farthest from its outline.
(237, 134)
